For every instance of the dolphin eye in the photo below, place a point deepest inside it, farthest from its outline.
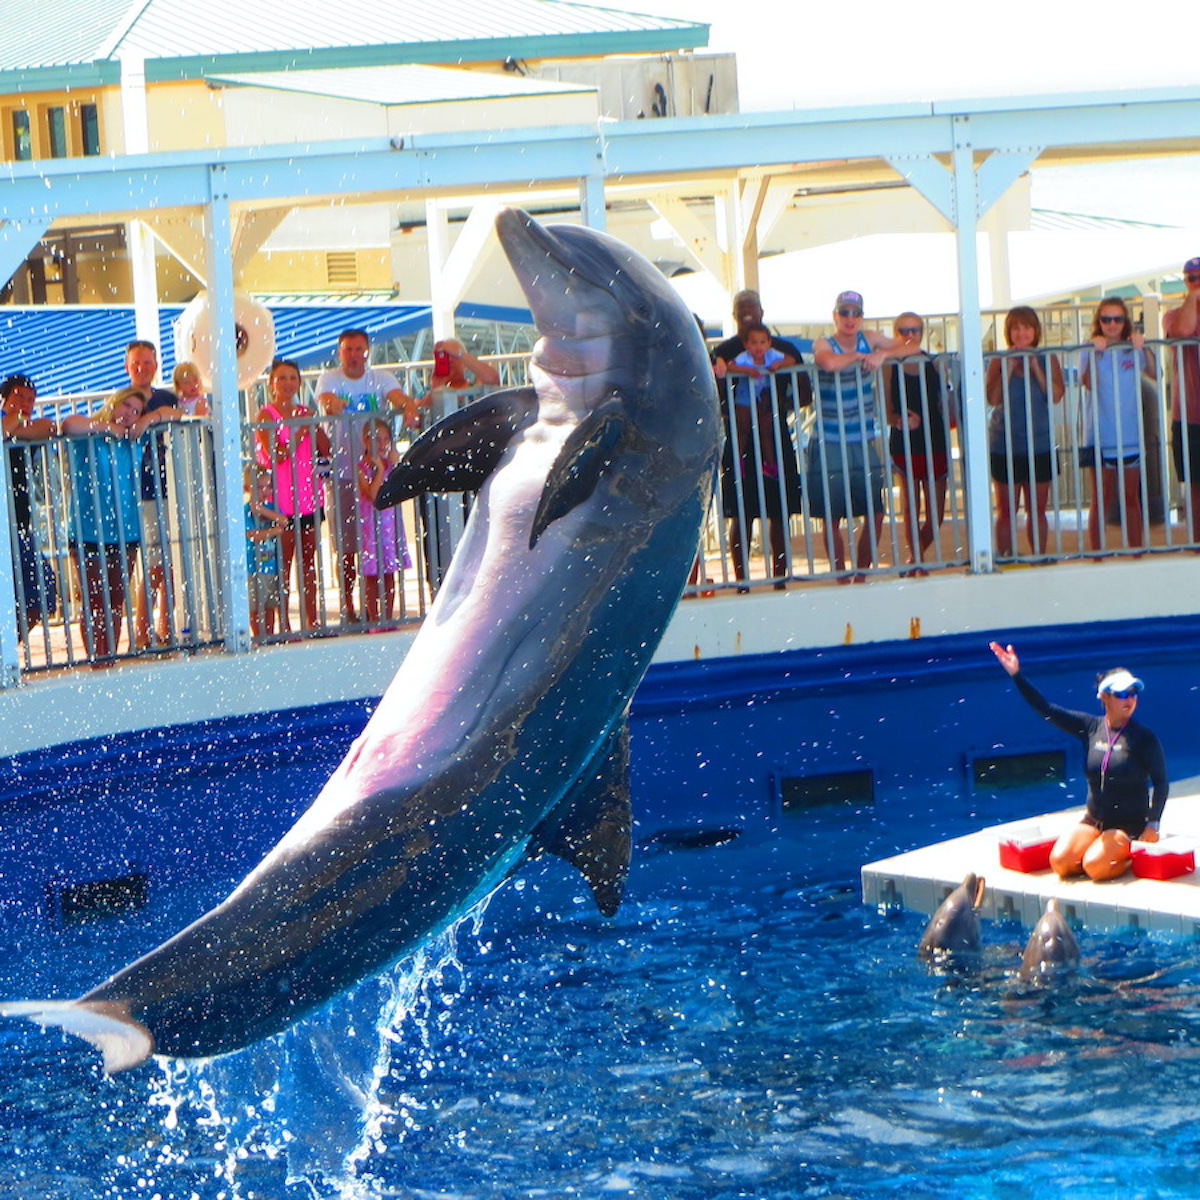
(641, 311)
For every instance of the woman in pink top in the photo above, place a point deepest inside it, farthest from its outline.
(292, 450)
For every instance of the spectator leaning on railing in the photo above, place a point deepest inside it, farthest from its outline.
(37, 595)
(1183, 324)
(750, 465)
(105, 523)
(141, 365)
(1111, 373)
(349, 389)
(1020, 390)
(917, 442)
(848, 477)
(290, 447)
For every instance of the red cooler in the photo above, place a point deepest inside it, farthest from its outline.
(1166, 859)
(1026, 849)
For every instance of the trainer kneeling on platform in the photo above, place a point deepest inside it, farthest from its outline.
(1126, 773)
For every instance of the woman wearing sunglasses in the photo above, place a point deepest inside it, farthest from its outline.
(1125, 768)
(845, 478)
(917, 441)
(1112, 373)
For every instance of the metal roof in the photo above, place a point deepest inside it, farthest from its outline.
(401, 85)
(1063, 222)
(62, 31)
(72, 350)
(179, 38)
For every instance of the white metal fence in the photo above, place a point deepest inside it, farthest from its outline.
(844, 478)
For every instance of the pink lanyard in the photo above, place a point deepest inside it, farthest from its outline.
(1112, 741)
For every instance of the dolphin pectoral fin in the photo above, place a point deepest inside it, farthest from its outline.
(585, 456)
(592, 828)
(459, 452)
(108, 1026)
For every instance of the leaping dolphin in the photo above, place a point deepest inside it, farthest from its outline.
(504, 733)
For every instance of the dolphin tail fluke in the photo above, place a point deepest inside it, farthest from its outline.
(593, 827)
(108, 1026)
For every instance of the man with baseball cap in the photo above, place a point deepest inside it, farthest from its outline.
(845, 469)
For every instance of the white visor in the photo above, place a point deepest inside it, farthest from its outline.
(1119, 681)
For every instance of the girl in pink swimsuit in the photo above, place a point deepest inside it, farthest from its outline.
(288, 447)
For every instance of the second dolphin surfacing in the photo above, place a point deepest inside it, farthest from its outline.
(1052, 953)
(504, 734)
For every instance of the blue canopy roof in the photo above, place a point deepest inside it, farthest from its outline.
(67, 351)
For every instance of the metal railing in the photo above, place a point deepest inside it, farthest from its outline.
(855, 473)
(826, 478)
(113, 545)
(854, 484)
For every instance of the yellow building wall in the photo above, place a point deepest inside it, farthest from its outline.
(309, 271)
(194, 116)
(185, 116)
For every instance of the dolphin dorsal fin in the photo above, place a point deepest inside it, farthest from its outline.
(460, 451)
(593, 826)
(585, 456)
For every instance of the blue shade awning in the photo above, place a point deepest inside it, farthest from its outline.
(309, 333)
(73, 350)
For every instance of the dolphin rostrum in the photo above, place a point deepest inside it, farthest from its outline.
(953, 931)
(1052, 953)
(504, 734)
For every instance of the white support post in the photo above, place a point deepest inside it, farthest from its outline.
(746, 209)
(139, 237)
(437, 235)
(592, 207)
(972, 398)
(458, 268)
(227, 420)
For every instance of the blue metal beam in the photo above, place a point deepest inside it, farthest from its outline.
(615, 152)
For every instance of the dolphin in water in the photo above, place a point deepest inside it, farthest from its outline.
(504, 734)
(1052, 953)
(952, 934)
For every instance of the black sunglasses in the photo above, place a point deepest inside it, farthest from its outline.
(1116, 319)
(849, 312)
(909, 331)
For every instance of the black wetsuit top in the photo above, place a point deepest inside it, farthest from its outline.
(1119, 773)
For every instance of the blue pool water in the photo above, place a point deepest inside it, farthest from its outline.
(744, 1027)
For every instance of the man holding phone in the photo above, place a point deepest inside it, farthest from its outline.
(455, 368)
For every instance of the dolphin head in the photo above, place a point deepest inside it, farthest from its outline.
(611, 323)
(952, 936)
(1052, 953)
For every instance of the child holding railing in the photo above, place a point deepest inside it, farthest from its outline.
(384, 549)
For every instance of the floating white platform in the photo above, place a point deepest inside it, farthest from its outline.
(921, 879)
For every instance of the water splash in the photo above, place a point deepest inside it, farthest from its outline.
(315, 1108)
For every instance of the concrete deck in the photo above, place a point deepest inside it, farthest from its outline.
(920, 879)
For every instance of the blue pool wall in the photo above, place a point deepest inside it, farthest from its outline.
(713, 744)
